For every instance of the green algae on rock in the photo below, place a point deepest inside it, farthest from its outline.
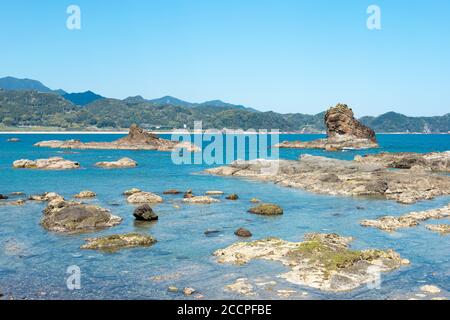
(322, 261)
(116, 242)
(267, 209)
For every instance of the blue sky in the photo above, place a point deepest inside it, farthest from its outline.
(281, 55)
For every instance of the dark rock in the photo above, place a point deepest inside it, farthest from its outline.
(3, 197)
(241, 232)
(145, 213)
(233, 196)
(188, 194)
(172, 191)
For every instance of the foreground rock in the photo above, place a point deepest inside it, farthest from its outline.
(121, 163)
(267, 209)
(435, 161)
(341, 177)
(200, 200)
(343, 132)
(54, 163)
(430, 289)
(144, 197)
(242, 232)
(441, 228)
(322, 261)
(145, 213)
(86, 194)
(137, 139)
(390, 223)
(74, 217)
(116, 242)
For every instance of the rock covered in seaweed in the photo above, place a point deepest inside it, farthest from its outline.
(267, 209)
(85, 194)
(115, 242)
(322, 261)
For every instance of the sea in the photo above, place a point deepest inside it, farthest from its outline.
(38, 264)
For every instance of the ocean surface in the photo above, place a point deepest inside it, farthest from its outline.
(34, 262)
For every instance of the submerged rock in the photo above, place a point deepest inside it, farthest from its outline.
(117, 242)
(441, 228)
(242, 232)
(267, 209)
(343, 132)
(144, 197)
(342, 177)
(390, 223)
(242, 287)
(121, 163)
(188, 291)
(322, 261)
(74, 217)
(145, 213)
(3, 197)
(13, 140)
(86, 194)
(200, 200)
(233, 196)
(54, 163)
(171, 191)
(435, 161)
(137, 139)
(430, 289)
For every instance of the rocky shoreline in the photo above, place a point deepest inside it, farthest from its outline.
(346, 178)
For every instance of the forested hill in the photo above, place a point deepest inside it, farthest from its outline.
(24, 108)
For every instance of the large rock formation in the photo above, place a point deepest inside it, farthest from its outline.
(341, 177)
(322, 261)
(343, 132)
(137, 139)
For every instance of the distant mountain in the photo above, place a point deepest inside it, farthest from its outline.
(11, 83)
(168, 100)
(82, 98)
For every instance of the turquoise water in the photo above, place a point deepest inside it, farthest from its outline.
(33, 262)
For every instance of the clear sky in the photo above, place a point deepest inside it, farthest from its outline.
(281, 55)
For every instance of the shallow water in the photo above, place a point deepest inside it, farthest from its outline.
(33, 262)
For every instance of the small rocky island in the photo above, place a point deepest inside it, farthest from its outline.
(53, 163)
(137, 139)
(322, 261)
(343, 132)
(349, 178)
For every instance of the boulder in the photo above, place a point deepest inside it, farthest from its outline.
(86, 194)
(267, 209)
(188, 194)
(117, 242)
(430, 289)
(144, 197)
(200, 200)
(121, 163)
(3, 197)
(54, 163)
(233, 196)
(242, 232)
(145, 213)
(74, 217)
